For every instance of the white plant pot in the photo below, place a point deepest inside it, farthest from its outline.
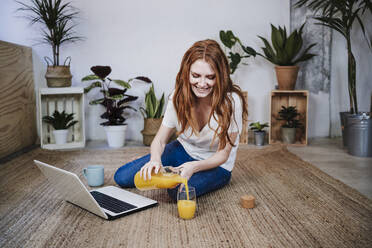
(60, 136)
(115, 135)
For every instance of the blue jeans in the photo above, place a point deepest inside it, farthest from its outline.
(174, 155)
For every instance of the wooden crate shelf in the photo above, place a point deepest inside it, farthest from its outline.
(69, 99)
(279, 98)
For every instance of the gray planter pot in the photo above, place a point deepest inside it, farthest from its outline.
(259, 138)
(359, 135)
(288, 135)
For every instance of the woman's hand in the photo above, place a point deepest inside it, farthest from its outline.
(187, 169)
(146, 170)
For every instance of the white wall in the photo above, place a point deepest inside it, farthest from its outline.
(149, 38)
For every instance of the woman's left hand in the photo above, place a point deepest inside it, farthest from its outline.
(187, 169)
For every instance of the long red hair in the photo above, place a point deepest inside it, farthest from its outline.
(222, 107)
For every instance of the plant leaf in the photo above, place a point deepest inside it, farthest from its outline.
(122, 83)
(97, 101)
(90, 77)
(93, 85)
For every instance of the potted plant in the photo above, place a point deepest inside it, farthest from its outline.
(341, 16)
(259, 132)
(288, 129)
(60, 121)
(152, 114)
(115, 100)
(55, 17)
(285, 53)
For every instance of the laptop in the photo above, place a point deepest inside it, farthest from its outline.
(109, 202)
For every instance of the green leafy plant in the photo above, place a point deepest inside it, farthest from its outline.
(289, 114)
(284, 51)
(258, 127)
(61, 120)
(114, 99)
(154, 107)
(230, 40)
(56, 17)
(340, 15)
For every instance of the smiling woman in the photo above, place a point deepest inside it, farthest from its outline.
(202, 78)
(207, 110)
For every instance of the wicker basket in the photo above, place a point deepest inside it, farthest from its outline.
(151, 127)
(58, 76)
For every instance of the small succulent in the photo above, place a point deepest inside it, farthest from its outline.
(258, 127)
(60, 121)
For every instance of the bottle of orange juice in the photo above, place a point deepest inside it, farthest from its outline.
(166, 178)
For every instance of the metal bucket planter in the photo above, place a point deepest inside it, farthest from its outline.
(359, 135)
(288, 135)
(259, 138)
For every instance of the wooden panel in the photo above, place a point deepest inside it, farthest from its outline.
(244, 134)
(298, 98)
(17, 99)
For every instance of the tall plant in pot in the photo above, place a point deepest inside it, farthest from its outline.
(341, 17)
(114, 99)
(152, 114)
(288, 129)
(259, 132)
(61, 122)
(56, 19)
(285, 52)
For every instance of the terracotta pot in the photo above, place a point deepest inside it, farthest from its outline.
(58, 76)
(151, 127)
(286, 76)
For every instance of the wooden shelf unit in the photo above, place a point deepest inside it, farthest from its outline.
(69, 99)
(279, 98)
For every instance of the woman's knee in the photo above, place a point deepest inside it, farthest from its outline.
(124, 176)
(209, 181)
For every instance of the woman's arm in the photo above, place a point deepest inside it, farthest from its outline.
(217, 159)
(157, 148)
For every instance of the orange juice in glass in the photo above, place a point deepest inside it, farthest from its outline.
(186, 202)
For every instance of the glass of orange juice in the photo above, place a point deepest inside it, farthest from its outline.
(186, 202)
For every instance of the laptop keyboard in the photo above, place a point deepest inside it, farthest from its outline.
(110, 203)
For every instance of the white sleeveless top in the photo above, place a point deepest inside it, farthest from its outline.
(198, 146)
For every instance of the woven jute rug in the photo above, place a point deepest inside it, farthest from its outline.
(297, 206)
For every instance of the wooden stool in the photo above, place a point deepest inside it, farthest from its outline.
(247, 201)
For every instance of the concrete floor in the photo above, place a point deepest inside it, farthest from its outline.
(326, 154)
(329, 156)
